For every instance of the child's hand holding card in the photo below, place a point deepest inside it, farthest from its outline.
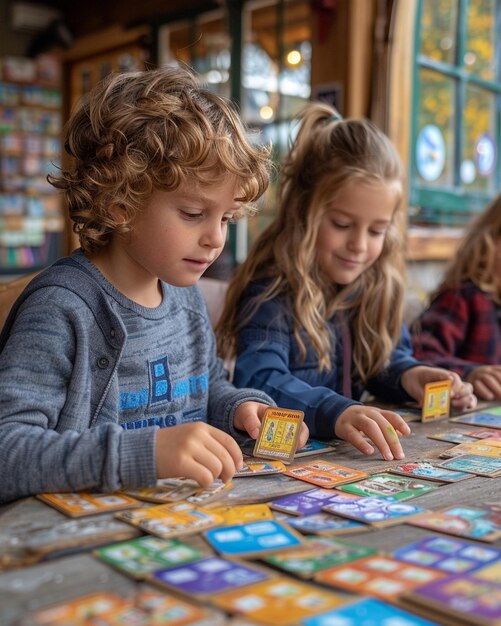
(279, 433)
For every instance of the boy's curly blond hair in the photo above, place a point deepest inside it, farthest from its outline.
(138, 132)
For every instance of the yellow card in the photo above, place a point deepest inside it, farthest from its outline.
(437, 400)
(279, 433)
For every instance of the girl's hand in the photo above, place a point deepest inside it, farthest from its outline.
(198, 451)
(380, 426)
(415, 378)
(486, 381)
(249, 415)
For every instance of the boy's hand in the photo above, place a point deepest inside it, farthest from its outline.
(249, 415)
(198, 451)
(415, 378)
(380, 426)
(486, 381)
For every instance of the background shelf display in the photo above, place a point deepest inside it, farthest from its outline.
(31, 219)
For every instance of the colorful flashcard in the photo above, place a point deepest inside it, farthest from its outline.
(426, 469)
(437, 400)
(307, 502)
(326, 524)
(210, 494)
(316, 554)
(148, 606)
(388, 486)
(86, 503)
(253, 539)
(453, 436)
(481, 522)
(144, 555)
(489, 420)
(485, 433)
(367, 612)
(465, 598)
(313, 446)
(244, 513)
(208, 576)
(171, 520)
(381, 576)
(375, 511)
(490, 572)
(482, 447)
(166, 490)
(324, 473)
(279, 434)
(278, 602)
(256, 467)
(453, 556)
(474, 464)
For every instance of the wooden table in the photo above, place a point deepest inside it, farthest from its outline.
(64, 574)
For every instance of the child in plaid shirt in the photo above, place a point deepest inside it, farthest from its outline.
(461, 328)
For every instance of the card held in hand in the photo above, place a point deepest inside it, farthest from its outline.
(279, 434)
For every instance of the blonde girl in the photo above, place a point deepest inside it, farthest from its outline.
(314, 315)
(461, 328)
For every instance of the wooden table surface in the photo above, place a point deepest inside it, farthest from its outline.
(64, 573)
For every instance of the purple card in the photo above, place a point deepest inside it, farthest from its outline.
(208, 576)
(449, 555)
(490, 420)
(372, 510)
(307, 502)
(463, 595)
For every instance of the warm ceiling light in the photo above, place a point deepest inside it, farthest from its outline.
(294, 57)
(266, 112)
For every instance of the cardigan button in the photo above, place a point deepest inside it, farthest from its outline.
(103, 362)
(112, 332)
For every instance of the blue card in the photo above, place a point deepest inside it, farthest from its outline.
(491, 420)
(367, 612)
(255, 538)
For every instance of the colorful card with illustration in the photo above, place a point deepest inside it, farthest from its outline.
(307, 502)
(474, 464)
(480, 521)
(388, 486)
(324, 473)
(313, 446)
(464, 597)
(208, 576)
(316, 554)
(86, 503)
(278, 602)
(481, 447)
(148, 606)
(453, 556)
(375, 511)
(144, 555)
(171, 520)
(485, 433)
(377, 575)
(367, 612)
(325, 524)
(453, 436)
(166, 490)
(437, 400)
(489, 420)
(253, 539)
(278, 434)
(257, 467)
(490, 572)
(243, 513)
(426, 469)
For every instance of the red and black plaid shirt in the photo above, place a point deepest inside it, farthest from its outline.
(460, 329)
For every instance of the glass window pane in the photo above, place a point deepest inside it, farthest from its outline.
(480, 49)
(434, 151)
(479, 155)
(438, 30)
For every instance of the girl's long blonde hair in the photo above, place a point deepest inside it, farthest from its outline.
(475, 257)
(327, 153)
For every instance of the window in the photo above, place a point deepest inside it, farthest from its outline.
(454, 161)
